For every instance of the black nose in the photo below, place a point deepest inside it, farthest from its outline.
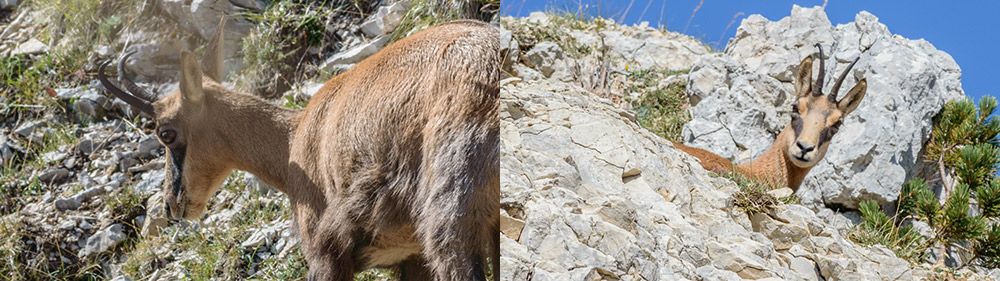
(167, 207)
(804, 148)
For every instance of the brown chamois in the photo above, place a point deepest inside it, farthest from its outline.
(816, 117)
(394, 162)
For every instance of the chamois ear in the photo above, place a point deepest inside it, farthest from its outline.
(191, 90)
(853, 98)
(212, 61)
(803, 77)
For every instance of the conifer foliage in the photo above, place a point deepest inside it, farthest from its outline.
(963, 208)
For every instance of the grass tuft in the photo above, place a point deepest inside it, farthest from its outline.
(661, 109)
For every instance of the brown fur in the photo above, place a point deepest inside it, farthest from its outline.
(779, 165)
(393, 163)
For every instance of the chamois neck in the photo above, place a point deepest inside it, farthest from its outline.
(775, 167)
(258, 135)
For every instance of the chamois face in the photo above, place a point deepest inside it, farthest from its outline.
(816, 117)
(195, 167)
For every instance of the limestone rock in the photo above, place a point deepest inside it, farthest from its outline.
(102, 240)
(343, 61)
(30, 47)
(156, 216)
(741, 99)
(543, 57)
(385, 20)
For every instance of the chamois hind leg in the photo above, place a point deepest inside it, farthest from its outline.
(325, 265)
(414, 269)
(460, 207)
(495, 255)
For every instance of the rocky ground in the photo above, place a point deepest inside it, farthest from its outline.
(81, 172)
(589, 193)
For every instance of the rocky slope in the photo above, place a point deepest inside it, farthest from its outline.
(587, 194)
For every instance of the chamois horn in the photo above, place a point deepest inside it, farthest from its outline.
(840, 80)
(817, 89)
(143, 101)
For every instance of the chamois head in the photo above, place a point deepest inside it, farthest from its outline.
(816, 117)
(196, 163)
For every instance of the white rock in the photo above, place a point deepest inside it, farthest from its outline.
(152, 182)
(30, 47)
(385, 20)
(157, 216)
(355, 54)
(543, 57)
(265, 235)
(26, 129)
(102, 240)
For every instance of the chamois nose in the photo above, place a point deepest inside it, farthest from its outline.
(804, 148)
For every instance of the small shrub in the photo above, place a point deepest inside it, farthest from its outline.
(753, 196)
(964, 147)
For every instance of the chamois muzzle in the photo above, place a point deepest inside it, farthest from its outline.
(136, 96)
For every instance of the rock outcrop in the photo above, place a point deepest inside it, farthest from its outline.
(633, 48)
(741, 99)
(587, 193)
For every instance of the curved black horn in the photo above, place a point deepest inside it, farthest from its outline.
(818, 88)
(840, 80)
(131, 86)
(141, 104)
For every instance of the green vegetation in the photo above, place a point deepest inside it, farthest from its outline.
(660, 108)
(426, 13)
(72, 29)
(753, 196)
(530, 34)
(965, 217)
(274, 51)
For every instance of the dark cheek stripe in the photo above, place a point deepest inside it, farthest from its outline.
(797, 126)
(828, 133)
(175, 168)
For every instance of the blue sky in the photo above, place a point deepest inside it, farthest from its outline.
(967, 31)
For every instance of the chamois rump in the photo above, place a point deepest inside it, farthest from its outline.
(394, 162)
(816, 117)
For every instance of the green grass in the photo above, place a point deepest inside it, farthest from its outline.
(659, 109)
(879, 229)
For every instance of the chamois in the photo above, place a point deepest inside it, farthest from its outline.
(816, 117)
(394, 162)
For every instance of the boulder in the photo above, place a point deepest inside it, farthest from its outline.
(741, 99)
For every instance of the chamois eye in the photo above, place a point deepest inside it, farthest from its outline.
(795, 108)
(167, 136)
